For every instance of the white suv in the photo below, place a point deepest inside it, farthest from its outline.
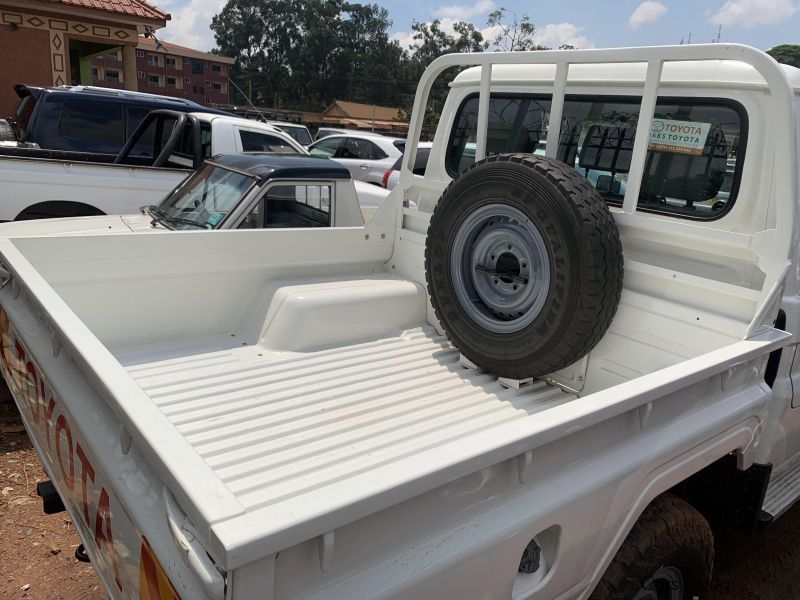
(366, 156)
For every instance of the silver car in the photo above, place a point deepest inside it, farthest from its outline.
(366, 156)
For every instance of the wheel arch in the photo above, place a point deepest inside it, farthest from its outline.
(58, 208)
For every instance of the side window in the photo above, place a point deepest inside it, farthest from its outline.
(134, 116)
(291, 205)
(516, 124)
(253, 141)
(361, 149)
(327, 147)
(92, 121)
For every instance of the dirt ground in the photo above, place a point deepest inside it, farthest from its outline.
(37, 551)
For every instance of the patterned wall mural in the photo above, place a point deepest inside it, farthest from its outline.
(60, 29)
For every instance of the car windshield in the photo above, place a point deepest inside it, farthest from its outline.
(205, 198)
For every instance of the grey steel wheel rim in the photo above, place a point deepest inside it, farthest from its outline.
(665, 584)
(500, 268)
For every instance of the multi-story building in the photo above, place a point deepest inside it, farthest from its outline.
(53, 42)
(164, 68)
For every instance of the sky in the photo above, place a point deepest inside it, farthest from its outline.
(580, 23)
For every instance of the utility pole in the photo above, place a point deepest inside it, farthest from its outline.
(719, 34)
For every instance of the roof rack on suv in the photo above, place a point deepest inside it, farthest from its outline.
(124, 93)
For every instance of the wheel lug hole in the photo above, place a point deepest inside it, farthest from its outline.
(509, 246)
(515, 286)
(524, 265)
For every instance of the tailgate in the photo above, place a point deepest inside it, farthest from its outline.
(140, 542)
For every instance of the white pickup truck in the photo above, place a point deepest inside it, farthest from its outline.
(462, 398)
(167, 145)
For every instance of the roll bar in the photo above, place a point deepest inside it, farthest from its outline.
(162, 154)
(780, 98)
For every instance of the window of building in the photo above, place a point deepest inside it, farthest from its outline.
(140, 74)
(216, 68)
(140, 54)
(171, 82)
(113, 56)
(208, 82)
(95, 73)
(154, 81)
(695, 151)
(187, 80)
(217, 87)
(170, 62)
(152, 60)
(197, 66)
(113, 75)
(93, 121)
(185, 60)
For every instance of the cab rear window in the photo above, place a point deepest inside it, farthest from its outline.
(695, 151)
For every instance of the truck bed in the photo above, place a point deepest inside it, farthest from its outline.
(279, 399)
(290, 434)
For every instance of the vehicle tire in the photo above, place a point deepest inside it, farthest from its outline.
(668, 555)
(6, 132)
(523, 264)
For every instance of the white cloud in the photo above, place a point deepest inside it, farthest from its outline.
(647, 12)
(461, 12)
(405, 38)
(749, 13)
(555, 35)
(191, 24)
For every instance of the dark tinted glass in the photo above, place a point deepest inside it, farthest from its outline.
(262, 142)
(360, 149)
(93, 121)
(420, 161)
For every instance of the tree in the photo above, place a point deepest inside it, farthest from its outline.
(788, 54)
(518, 34)
(306, 53)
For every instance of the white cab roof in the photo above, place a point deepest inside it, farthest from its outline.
(707, 73)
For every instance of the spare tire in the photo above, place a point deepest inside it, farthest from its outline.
(524, 265)
(6, 132)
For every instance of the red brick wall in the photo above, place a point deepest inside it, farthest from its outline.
(26, 59)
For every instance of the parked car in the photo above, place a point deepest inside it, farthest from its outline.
(392, 176)
(84, 118)
(37, 183)
(246, 190)
(366, 156)
(299, 132)
(460, 399)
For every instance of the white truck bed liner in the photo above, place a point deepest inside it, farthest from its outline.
(291, 434)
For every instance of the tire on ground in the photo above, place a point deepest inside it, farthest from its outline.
(6, 132)
(524, 265)
(670, 537)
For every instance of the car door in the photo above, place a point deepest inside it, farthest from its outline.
(360, 156)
